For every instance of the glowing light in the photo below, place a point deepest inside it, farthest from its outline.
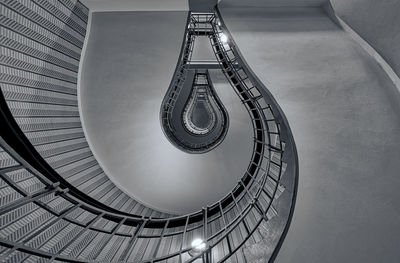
(198, 245)
(224, 38)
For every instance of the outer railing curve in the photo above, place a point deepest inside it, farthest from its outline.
(44, 218)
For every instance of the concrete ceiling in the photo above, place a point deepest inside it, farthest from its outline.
(128, 65)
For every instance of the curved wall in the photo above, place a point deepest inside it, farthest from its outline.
(41, 50)
(43, 219)
(125, 75)
(335, 97)
(377, 22)
(346, 124)
(272, 3)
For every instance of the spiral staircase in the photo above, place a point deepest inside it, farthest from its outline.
(56, 202)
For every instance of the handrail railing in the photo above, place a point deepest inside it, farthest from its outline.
(81, 229)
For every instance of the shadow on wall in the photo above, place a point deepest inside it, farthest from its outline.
(377, 22)
(283, 20)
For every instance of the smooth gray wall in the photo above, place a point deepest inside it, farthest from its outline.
(346, 126)
(272, 3)
(377, 22)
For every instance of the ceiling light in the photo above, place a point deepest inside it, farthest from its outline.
(223, 37)
(198, 245)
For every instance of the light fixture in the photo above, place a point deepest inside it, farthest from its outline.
(198, 246)
(223, 37)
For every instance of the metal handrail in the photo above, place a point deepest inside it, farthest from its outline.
(234, 209)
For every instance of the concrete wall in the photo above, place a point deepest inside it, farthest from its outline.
(273, 3)
(346, 124)
(377, 22)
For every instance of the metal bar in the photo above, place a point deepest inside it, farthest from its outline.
(204, 65)
(260, 210)
(222, 214)
(236, 204)
(37, 232)
(11, 168)
(183, 238)
(79, 234)
(115, 229)
(246, 189)
(60, 217)
(205, 223)
(37, 252)
(159, 241)
(128, 247)
(26, 199)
